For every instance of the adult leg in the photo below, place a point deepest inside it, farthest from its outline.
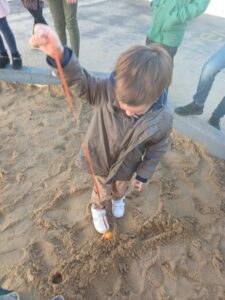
(57, 11)
(11, 42)
(8, 35)
(4, 58)
(37, 15)
(218, 113)
(209, 71)
(2, 46)
(70, 12)
(211, 68)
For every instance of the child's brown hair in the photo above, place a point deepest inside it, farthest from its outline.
(142, 73)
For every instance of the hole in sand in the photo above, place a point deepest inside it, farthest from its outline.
(57, 278)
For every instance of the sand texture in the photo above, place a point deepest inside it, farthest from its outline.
(170, 245)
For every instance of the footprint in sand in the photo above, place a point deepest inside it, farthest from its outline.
(155, 277)
(68, 208)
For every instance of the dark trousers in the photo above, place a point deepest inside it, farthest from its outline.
(219, 112)
(37, 14)
(8, 36)
(171, 50)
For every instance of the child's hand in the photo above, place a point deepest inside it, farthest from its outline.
(138, 185)
(47, 40)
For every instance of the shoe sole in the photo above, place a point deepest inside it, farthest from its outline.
(189, 114)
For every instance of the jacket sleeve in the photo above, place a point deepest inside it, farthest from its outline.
(153, 155)
(188, 12)
(82, 83)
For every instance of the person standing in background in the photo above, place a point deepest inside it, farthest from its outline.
(170, 19)
(214, 65)
(9, 38)
(64, 13)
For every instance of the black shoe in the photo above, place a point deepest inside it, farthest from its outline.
(190, 109)
(16, 61)
(4, 59)
(215, 122)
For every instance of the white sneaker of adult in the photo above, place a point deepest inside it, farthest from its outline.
(118, 208)
(99, 219)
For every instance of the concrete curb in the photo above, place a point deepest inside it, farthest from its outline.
(29, 75)
(199, 130)
(192, 126)
(34, 75)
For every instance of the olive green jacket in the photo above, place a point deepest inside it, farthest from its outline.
(170, 18)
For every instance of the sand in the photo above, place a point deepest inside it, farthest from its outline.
(169, 245)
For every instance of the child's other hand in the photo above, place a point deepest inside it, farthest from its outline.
(138, 185)
(47, 40)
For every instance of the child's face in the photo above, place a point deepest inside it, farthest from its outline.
(134, 110)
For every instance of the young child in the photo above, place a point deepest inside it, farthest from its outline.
(9, 38)
(130, 127)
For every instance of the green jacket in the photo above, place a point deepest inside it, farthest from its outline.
(170, 19)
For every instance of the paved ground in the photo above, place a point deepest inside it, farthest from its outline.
(109, 27)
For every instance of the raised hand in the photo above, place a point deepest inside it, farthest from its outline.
(47, 40)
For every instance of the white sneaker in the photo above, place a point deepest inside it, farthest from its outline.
(99, 219)
(118, 208)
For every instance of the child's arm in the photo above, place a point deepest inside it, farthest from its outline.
(85, 86)
(153, 155)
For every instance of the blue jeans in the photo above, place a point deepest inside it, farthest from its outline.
(211, 68)
(9, 37)
(219, 112)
